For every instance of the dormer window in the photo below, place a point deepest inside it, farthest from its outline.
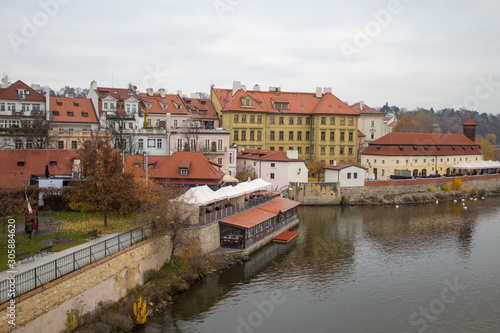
(184, 172)
(53, 161)
(85, 114)
(21, 94)
(70, 113)
(76, 104)
(55, 113)
(59, 103)
(21, 161)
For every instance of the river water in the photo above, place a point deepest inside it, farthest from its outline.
(416, 268)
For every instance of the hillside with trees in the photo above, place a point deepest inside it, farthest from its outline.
(446, 121)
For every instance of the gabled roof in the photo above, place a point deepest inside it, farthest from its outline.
(298, 102)
(35, 160)
(74, 110)
(200, 167)
(120, 94)
(425, 144)
(329, 104)
(170, 101)
(366, 109)
(262, 213)
(266, 155)
(340, 166)
(360, 134)
(133, 162)
(10, 93)
(200, 108)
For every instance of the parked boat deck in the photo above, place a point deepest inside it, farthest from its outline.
(285, 236)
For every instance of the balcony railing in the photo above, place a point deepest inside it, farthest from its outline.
(222, 213)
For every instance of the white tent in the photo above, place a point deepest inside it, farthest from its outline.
(228, 192)
(259, 184)
(245, 188)
(200, 195)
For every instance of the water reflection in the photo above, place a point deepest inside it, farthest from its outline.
(359, 269)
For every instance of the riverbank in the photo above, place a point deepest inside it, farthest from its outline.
(158, 292)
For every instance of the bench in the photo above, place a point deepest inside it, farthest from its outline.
(94, 233)
(24, 255)
(45, 249)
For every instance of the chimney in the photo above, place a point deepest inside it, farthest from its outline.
(161, 91)
(319, 92)
(292, 154)
(470, 129)
(327, 90)
(236, 86)
(335, 163)
(149, 91)
(179, 92)
(256, 88)
(361, 105)
(195, 95)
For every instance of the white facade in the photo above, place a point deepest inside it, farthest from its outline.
(278, 173)
(349, 176)
(371, 125)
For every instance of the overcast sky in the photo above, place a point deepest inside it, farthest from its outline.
(408, 53)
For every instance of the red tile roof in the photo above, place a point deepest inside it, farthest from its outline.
(262, 213)
(154, 162)
(200, 108)
(10, 93)
(170, 102)
(366, 109)
(339, 166)
(470, 122)
(360, 135)
(298, 102)
(200, 168)
(266, 155)
(121, 94)
(422, 144)
(75, 110)
(35, 160)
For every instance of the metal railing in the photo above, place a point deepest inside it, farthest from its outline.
(234, 209)
(53, 270)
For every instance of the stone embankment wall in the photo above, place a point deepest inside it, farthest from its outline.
(392, 191)
(44, 309)
(315, 193)
(417, 190)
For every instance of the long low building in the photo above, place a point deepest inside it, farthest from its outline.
(422, 154)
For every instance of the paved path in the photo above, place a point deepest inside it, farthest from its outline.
(26, 265)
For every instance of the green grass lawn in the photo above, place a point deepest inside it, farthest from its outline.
(24, 243)
(73, 225)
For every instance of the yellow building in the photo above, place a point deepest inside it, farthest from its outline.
(420, 154)
(318, 125)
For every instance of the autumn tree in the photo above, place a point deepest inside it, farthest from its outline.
(487, 147)
(245, 173)
(105, 187)
(315, 168)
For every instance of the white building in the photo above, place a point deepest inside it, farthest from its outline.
(277, 167)
(347, 175)
(370, 121)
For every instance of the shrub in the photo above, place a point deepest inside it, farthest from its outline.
(456, 184)
(446, 187)
(141, 313)
(431, 188)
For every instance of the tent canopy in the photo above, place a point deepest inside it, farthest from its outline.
(473, 165)
(203, 195)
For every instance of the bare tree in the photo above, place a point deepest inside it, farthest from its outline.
(170, 216)
(121, 136)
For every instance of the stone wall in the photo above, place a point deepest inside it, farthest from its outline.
(315, 193)
(390, 191)
(44, 309)
(398, 191)
(207, 237)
